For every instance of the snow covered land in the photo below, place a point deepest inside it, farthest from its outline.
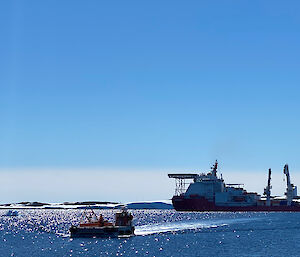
(160, 204)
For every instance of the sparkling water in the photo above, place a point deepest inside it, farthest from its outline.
(158, 233)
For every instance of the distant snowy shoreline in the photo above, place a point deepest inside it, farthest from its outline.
(160, 204)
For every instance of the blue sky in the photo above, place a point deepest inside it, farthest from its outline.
(149, 85)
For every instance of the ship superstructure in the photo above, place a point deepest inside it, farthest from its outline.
(208, 192)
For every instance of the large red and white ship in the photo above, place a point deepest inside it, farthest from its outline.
(208, 192)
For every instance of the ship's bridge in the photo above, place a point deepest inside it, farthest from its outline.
(207, 177)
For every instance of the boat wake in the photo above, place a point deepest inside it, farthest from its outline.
(182, 226)
(174, 227)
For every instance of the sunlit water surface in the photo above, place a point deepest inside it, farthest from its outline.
(158, 233)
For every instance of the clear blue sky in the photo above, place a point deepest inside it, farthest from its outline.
(149, 84)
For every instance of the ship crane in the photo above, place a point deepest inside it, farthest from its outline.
(267, 190)
(291, 190)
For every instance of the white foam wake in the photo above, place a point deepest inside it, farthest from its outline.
(174, 226)
(187, 225)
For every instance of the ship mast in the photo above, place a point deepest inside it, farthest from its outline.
(267, 190)
(214, 169)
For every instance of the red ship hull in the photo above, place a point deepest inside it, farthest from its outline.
(200, 204)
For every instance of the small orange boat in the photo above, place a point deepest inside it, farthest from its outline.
(99, 227)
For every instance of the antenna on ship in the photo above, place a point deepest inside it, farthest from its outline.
(267, 190)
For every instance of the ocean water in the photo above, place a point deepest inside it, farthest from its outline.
(158, 233)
